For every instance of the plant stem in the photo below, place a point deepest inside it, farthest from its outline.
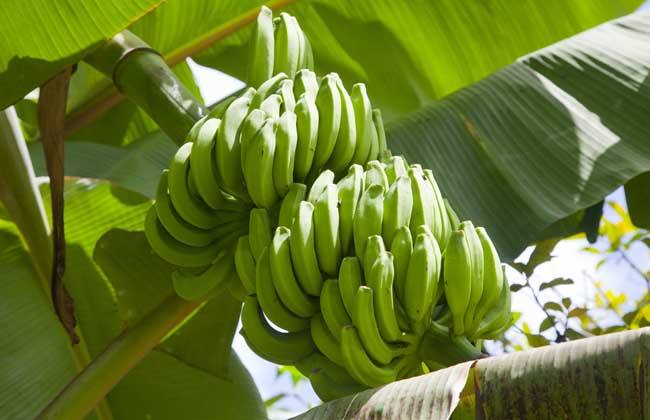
(142, 75)
(110, 97)
(20, 196)
(98, 378)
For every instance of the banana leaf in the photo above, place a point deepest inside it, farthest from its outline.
(603, 377)
(42, 37)
(543, 138)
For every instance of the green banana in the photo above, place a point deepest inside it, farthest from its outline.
(326, 223)
(477, 265)
(331, 380)
(373, 136)
(439, 287)
(324, 340)
(318, 361)
(363, 318)
(227, 150)
(332, 308)
(290, 203)
(261, 64)
(358, 364)
(378, 122)
(287, 45)
(174, 251)
(247, 132)
(329, 107)
(492, 278)
(307, 121)
(422, 279)
(374, 249)
(382, 276)
(288, 100)
(245, 264)
(350, 188)
(305, 57)
(423, 200)
(350, 279)
(442, 218)
(398, 205)
(496, 324)
(368, 218)
(267, 88)
(202, 165)
(284, 280)
(191, 135)
(271, 106)
(347, 136)
(401, 247)
(363, 123)
(454, 221)
(259, 231)
(329, 389)
(286, 139)
(319, 185)
(191, 209)
(458, 278)
(375, 175)
(395, 167)
(234, 287)
(258, 167)
(499, 317)
(273, 345)
(194, 287)
(303, 250)
(268, 298)
(308, 54)
(305, 82)
(220, 108)
(173, 223)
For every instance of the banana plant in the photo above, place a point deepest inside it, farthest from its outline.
(294, 198)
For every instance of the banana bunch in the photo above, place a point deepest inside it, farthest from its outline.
(350, 263)
(350, 272)
(278, 46)
(249, 153)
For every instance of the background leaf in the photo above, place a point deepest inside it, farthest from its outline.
(637, 191)
(192, 21)
(434, 396)
(135, 167)
(115, 278)
(192, 373)
(32, 337)
(516, 152)
(423, 50)
(28, 60)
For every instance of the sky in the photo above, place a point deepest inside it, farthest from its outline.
(568, 261)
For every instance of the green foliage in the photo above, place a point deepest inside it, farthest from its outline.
(423, 50)
(115, 280)
(32, 336)
(29, 60)
(524, 151)
(496, 125)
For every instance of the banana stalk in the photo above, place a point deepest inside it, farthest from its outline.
(140, 73)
